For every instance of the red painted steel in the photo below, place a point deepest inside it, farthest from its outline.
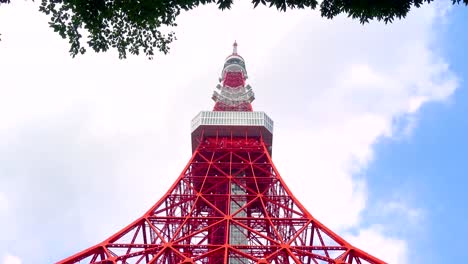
(229, 205)
(233, 81)
(191, 223)
(220, 106)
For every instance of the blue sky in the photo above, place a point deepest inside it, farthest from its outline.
(379, 121)
(430, 164)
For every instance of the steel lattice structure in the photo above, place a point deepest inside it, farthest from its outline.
(230, 204)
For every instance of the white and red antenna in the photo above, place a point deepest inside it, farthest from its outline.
(234, 48)
(234, 94)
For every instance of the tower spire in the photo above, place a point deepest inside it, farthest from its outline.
(233, 94)
(234, 48)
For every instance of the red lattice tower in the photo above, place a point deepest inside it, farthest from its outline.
(229, 204)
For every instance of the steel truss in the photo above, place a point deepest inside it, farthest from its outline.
(229, 205)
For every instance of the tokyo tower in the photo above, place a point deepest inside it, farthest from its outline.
(229, 205)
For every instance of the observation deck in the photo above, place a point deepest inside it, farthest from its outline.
(232, 124)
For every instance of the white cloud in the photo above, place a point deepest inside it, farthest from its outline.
(374, 240)
(89, 144)
(9, 259)
(397, 208)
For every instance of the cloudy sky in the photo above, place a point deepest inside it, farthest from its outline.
(369, 126)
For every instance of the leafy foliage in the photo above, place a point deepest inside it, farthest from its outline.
(135, 26)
